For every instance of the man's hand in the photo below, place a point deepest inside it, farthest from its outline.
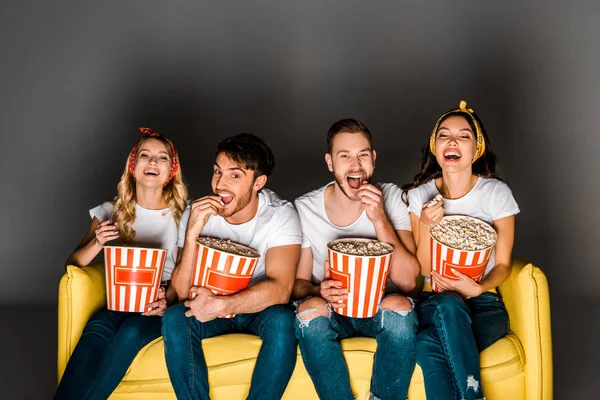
(372, 202)
(331, 289)
(200, 210)
(206, 306)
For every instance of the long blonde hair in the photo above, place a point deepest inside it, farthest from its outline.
(175, 192)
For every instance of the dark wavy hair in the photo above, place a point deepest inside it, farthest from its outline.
(250, 151)
(485, 166)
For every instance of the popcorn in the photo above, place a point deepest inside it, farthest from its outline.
(366, 248)
(434, 201)
(464, 233)
(227, 246)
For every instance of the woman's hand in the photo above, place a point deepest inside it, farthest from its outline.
(105, 232)
(159, 306)
(464, 285)
(431, 215)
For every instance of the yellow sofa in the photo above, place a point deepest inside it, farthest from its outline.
(518, 366)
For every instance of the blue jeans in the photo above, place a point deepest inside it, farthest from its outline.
(452, 333)
(109, 343)
(394, 360)
(185, 358)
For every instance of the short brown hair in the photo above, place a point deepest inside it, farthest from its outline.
(347, 125)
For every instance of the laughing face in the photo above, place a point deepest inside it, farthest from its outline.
(455, 144)
(152, 163)
(235, 185)
(352, 162)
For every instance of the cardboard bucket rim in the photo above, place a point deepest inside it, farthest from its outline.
(134, 247)
(477, 220)
(336, 241)
(257, 254)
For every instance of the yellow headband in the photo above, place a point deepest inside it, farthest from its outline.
(468, 111)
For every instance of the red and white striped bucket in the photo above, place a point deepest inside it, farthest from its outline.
(222, 272)
(365, 277)
(469, 262)
(133, 276)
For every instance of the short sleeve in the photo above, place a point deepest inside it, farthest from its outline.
(305, 240)
(181, 229)
(415, 201)
(395, 208)
(503, 202)
(286, 227)
(103, 212)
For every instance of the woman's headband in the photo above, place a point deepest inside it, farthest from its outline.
(147, 132)
(462, 108)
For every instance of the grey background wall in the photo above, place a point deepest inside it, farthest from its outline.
(78, 78)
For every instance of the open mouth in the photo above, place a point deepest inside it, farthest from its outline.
(354, 181)
(226, 198)
(151, 172)
(452, 155)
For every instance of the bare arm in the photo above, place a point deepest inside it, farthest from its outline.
(181, 278)
(303, 286)
(200, 211)
(92, 243)
(280, 268)
(420, 233)
(505, 228)
(430, 215)
(404, 268)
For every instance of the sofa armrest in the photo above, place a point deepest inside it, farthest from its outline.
(81, 293)
(527, 301)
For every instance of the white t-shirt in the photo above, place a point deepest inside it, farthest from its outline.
(153, 229)
(489, 200)
(318, 230)
(275, 224)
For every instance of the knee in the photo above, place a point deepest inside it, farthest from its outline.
(449, 302)
(312, 308)
(399, 304)
(173, 319)
(130, 332)
(313, 319)
(102, 325)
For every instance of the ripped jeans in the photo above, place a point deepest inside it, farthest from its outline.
(452, 333)
(393, 364)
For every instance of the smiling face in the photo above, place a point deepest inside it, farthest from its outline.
(235, 184)
(455, 144)
(152, 163)
(352, 162)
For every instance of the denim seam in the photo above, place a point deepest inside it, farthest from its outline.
(444, 338)
(191, 365)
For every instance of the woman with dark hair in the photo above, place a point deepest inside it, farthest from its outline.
(465, 316)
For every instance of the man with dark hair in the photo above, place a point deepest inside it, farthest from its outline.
(242, 211)
(353, 207)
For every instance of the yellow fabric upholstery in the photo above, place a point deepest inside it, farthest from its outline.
(518, 366)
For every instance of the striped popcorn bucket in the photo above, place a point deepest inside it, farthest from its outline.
(365, 277)
(222, 272)
(469, 262)
(132, 277)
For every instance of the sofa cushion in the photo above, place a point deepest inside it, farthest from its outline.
(231, 358)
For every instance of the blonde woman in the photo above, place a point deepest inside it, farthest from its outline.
(146, 213)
